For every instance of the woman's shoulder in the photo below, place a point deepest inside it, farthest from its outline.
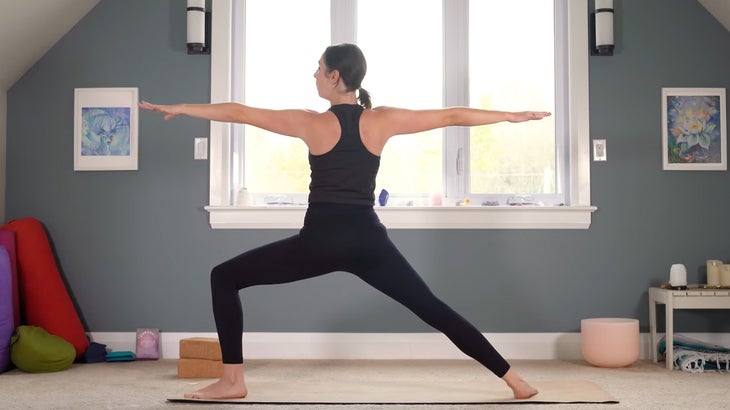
(383, 108)
(381, 112)
(386, 113)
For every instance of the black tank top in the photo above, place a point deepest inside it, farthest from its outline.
(345, 174)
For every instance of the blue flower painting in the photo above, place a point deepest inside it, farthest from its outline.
(693, 125)
(105, 131)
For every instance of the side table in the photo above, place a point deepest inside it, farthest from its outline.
(692, 298)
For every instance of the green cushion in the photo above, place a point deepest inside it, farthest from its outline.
(36, 351)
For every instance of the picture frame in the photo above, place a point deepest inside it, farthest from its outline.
(694, 131)
(105, 129)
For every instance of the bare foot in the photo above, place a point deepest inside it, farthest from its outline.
(520, 388)
(231, 385)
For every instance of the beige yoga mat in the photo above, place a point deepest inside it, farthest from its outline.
(410, 392)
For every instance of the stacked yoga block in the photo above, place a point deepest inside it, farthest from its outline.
(200, 358)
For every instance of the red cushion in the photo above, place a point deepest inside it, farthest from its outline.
(44, 300)
(7, 240)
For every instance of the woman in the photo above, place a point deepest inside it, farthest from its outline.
(341, 231)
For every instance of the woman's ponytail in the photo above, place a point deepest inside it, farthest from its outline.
(364, 97)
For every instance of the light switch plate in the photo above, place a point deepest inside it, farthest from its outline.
(599, 150)
(201, 148)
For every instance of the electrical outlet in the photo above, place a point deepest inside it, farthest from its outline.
(599, 150)
(201, 148)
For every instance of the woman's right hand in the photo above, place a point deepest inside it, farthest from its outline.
(527, 116)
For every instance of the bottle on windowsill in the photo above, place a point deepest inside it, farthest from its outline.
(243, 198)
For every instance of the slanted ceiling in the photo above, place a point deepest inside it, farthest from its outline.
(720, 9)
(29, 28)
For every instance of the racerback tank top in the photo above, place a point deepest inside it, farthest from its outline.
(346, 173)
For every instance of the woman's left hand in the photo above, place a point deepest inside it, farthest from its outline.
(170, 111)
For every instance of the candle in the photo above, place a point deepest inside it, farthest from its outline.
(713, 272)
(725, 276)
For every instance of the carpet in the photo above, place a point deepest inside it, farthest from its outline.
(410, 392)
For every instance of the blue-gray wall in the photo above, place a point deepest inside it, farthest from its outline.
(135, 247)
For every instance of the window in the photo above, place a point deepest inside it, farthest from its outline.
(278, 54)
(509, 159)
(405, 69)
(490, 163)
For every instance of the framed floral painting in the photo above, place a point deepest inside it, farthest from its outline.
(693, 129)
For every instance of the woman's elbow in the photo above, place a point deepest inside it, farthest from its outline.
(454, 116)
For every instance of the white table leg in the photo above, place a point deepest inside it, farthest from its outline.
(670, 333)
(652, 327)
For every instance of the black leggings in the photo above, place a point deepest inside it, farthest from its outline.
(347, 238)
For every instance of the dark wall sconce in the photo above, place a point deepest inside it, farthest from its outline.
(198, 40)
(602, 29)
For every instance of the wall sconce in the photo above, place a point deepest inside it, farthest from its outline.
(198, 28)
(602, 29)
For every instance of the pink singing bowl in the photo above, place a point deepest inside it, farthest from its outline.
(610, 342)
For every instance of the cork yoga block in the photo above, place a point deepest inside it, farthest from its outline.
(200, 348)
(199, 368)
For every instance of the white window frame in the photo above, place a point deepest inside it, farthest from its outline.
(575, 215)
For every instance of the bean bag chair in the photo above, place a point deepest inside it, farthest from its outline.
(36, 351)
(45, 302)
(6, 309)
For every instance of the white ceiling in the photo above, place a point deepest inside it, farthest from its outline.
(29, 28)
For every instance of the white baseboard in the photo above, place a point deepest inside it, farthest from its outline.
(386, 346)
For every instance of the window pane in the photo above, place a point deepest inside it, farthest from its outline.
(281, 54)
(512, 75)
(403, 43)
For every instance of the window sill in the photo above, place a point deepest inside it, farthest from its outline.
(445, 217)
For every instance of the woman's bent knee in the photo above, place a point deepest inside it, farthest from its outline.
(220, 277)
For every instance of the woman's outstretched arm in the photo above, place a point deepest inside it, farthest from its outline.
(293, 123)
(224, 112)
(396, 121)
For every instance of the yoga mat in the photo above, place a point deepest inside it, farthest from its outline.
(409, 392)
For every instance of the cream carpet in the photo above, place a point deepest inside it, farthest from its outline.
(147, 384)
(410, 392)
